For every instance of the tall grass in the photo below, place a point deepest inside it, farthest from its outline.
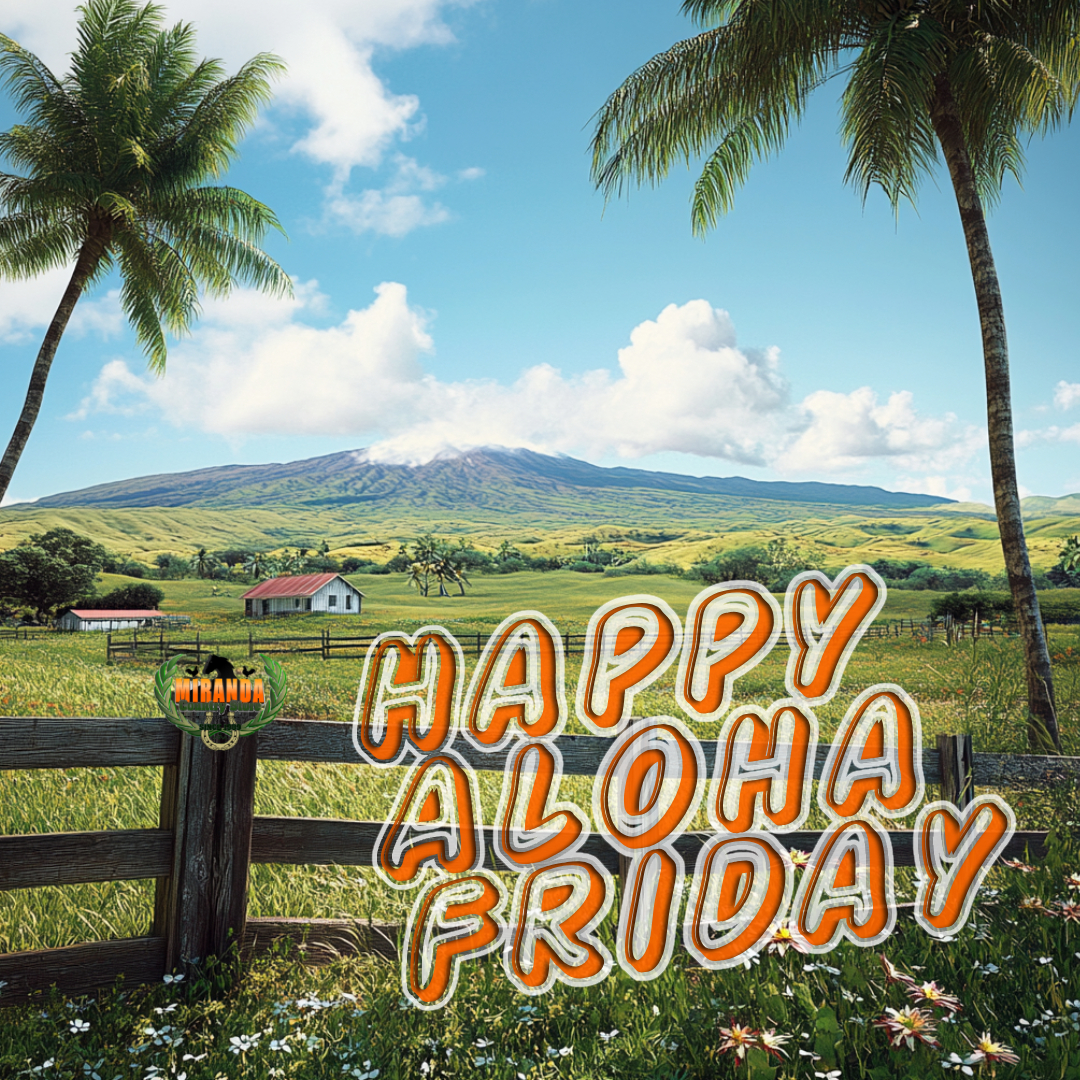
(666, 1028)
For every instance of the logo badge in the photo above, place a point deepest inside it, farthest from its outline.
(218, 703)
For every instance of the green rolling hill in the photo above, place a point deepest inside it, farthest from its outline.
(542, 504)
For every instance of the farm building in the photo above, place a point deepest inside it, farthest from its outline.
(328, 593)
(118, 619)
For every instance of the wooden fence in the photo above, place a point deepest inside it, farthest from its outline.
(208, 835)
(331, 646)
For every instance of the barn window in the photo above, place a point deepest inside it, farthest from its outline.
(332, 600)
(296, 602)
(307, 604)
(348, 601)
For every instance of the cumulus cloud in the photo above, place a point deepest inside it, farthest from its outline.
(29, 305)
(845, 431)
(683, 384)
(353, 117)
(1066, 394)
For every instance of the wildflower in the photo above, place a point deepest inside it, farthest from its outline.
(907, 1026)
(893, 974)
(738, 1039)
(1072, 881)
(800, 859)
(78, 1027)
(929, 993)
(241, 1044)
(482, 1044)
(481, 1061)
(782, 940)
(655, 1010)
(832, 1074)
(955, 1061)
(1017, 864)
(365, 1073)
(280, 1044)
(988, 1050)
(771, 1042)
(607, 1036)
(171, 979)
(1032, 903)
(1070, 912)
(566, 1051)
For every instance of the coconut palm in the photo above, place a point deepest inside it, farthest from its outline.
(109, 171)
(967, 78)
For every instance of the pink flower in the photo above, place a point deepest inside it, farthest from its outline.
(782, 940)
(929, 993)
(986, 1049)
(771, 1042)
(1017, 864)
(893, 974)
(738, 1039)
(908, 1026)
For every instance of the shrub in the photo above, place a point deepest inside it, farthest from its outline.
(141, 597)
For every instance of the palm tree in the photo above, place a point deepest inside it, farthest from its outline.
(203, 563)
(110, 166)
(256, 564)
(968, 78)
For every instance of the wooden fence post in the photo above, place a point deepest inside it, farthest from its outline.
(957, 769)
(203, 908)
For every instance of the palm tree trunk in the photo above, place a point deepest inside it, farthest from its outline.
(89, 255)
(1042, 717)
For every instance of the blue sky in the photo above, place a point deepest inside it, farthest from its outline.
(460, 282)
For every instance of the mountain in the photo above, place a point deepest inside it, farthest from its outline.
(489, 479)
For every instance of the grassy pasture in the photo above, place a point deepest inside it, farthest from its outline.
(962, 535)
(668, 1028)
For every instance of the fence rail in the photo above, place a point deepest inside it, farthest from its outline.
(208, 836)
(331, 646)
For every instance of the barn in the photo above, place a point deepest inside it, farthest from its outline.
(108, 619)
(330, 594)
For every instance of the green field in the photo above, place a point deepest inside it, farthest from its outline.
(668, 1028)
(964, 537)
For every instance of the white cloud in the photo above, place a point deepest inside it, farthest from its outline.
(26, 306)
(682, 385)
(846, 431)
(934, 485)
(1066, 394)
(1052, 434)
(252, 375)
(330, 48)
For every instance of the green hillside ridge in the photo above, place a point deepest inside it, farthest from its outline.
(542, 505)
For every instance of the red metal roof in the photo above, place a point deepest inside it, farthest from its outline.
(300, 585)
(110, 613)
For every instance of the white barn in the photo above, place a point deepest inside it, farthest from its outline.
(330, 594)
(106, 619)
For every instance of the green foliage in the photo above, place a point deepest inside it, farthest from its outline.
(1066, 572)
(772, 566)
(967, 605)
(33, 578)
(171, 567)
(71, 548)
(732, 94)
(143, 597)
(113, 158)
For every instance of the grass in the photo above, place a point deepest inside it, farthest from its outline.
(637, 521)
(668, 1028)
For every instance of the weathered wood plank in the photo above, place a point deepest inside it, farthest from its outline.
(320, 841)
(1025, 770)
(957, 775)
(40, 742)
(80, 969)
(32, 860)
(232, 842)
(331, 741)
(322, 941)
